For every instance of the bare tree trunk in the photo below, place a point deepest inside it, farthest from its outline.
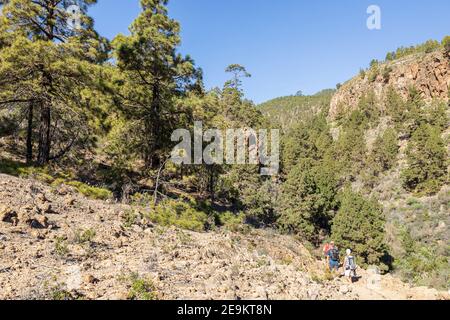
(155, 194)
(30, 134)
(211, 184)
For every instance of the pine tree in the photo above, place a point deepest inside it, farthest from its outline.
(350, 149)
(46, 67)
(309, 139)
(238, 72)
(396, 107)
(427, 161)
(385, 150)
(416, 114)
(368, 106)
(437, 115)
(151, 78)
(359, 226)
(308, 198)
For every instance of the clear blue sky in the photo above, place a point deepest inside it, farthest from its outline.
(287, 45)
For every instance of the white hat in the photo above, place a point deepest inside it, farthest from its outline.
(348, 251)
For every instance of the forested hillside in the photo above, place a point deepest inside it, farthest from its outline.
(287, 111)
(366, 165)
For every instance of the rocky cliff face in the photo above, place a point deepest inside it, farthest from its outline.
(429, 73)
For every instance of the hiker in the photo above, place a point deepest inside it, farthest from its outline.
(333, 257)
(349, 266)
(325, 249)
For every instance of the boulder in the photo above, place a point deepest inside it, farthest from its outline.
(344, 289)
(7, 214)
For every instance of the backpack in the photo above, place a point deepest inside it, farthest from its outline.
(326, 248)
(351, 265)
(334, 254)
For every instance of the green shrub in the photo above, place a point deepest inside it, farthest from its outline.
(446, 43)
(374, 70)
(231, 221)
(61, 248)
(10, 167)
(142, 289)
(142, 199)
(422, 264)
(362, 73)
(85, 236)
(387, 72)
(179, 214)
(19, 169)
(412, 202)
(91, 192)
(130, 218)
(59, 294)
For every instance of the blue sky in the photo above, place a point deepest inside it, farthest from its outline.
(287, 45)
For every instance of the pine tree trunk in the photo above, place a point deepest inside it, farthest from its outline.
(211, 186)
(30, 134)
(44, 137)
(153, 129)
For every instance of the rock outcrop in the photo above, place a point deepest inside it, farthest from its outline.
(429, 73)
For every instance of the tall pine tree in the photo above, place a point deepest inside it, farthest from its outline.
(45, 70)
(152, 79)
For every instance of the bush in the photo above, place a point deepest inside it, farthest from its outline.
(91, 192)
(231, 221)
(60, 294)
(142, 289)
(387, 73)
(446, 43)
(19, 169)
(362, 73)
(84, 236)
(61, 248)
(130, 218)
(412, 202)
(422, 264)
(179, 214)
(359, 225)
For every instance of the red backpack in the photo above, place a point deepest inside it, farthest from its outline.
(326, 248)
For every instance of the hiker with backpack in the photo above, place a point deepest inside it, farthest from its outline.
(350, 266)
(325, 250)
(333, 257)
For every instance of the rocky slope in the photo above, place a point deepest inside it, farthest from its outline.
(429, 73)
(55, 243)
